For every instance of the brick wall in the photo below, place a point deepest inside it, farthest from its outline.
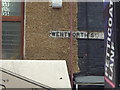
(40, 19)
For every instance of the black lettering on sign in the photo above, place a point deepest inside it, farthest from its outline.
(77, 34)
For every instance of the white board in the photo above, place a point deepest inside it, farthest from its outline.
(52, 73)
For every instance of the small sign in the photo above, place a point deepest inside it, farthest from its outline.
(56, 3)
(77, 34)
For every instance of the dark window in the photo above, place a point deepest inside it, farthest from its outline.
(90, 52)
(12, 30)
(90, 16)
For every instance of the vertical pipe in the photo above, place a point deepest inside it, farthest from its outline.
(71, 42)
(22, 29)
(0, 29)
(1, 38)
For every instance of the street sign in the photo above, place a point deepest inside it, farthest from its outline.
(77, 34)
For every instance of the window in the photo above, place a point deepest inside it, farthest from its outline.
(90, 16)
(12, 30)
(90, 52)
